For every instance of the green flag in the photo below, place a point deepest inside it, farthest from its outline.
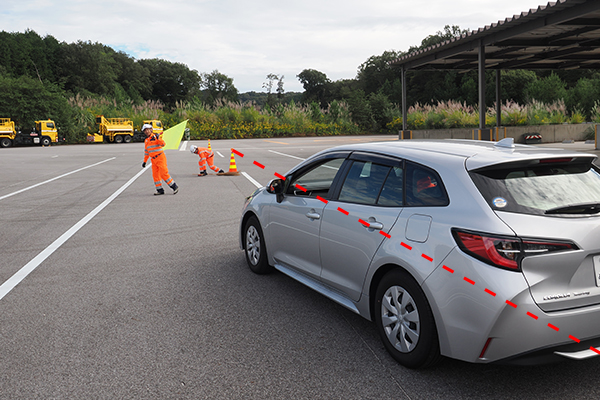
(172, 136)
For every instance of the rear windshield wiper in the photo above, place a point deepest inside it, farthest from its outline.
(586, 208)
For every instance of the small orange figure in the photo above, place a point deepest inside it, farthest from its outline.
(206, 157)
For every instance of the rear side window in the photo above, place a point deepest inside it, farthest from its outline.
(545, 187)
(424, 187)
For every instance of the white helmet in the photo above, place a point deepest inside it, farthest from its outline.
(146, 126)
(193, 149)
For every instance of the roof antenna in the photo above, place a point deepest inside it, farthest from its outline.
(507, 143)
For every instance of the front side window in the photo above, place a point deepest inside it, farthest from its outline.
(545, 188)
(363, 182)
(317, 180)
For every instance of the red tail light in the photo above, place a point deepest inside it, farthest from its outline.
(505, 251)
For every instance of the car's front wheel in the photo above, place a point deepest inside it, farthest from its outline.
(254, 246)
(405, 321)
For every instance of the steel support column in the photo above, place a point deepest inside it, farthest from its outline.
(498, 98)
(485, 135)
(403, 78)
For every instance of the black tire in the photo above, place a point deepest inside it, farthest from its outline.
(5, 142)
(118, 139)
(46, 141)
(127, 138)
(405, 321)
(254, 247)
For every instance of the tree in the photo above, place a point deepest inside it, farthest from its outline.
(513, 83)
(280, 91)
(218, 86)
(26, 99)
(360, 110)
(583, 96)
(87, 67)
(547, 90)
(271, 79)
(171, 82)
(376, 71)
(449, 32)
(315, 85)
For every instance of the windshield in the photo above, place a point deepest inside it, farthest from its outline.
(538, 188)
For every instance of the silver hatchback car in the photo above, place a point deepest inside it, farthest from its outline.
(478, 251)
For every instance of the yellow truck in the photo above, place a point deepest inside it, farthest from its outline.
(44, 133)
(118, 130)
(157, 126)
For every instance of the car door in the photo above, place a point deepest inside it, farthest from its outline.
(366, 206)
(296, 220)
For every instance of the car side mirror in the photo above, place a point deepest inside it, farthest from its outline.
(276, 187)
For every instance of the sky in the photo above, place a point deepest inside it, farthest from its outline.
(249, 39)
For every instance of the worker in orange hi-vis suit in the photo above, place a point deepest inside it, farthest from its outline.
(206, 157)
(153, 150)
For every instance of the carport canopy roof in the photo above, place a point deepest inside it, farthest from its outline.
(560, 35)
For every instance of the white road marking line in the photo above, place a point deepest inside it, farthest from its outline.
(251, 179)
(183, 145)
(53, 179)
(14, 280)
(220, 154)
(287, 155)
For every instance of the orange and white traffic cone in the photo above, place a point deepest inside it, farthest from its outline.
(209, 148)
(232, 167)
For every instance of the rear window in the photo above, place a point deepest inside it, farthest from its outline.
(542, 187)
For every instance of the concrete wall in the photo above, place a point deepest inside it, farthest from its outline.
(550, 133)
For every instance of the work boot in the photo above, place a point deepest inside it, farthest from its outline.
(175, 188)
(159, 192)
(221, 172)
(202, 173)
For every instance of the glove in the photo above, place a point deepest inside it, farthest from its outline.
(156, 137)
(143, 165)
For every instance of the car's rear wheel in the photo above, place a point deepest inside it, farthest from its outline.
(254, 246)
(405, 321)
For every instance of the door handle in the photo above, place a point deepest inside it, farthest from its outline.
(376, 225)
(313, 215)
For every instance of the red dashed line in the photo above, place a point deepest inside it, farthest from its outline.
(280, 176)
(553, 327)
(322, 199)
(237, 152)
(448, 269)
(365, 223)
(574, 338)
(469, 280)
(510, 303)
(405, 245)
(301, 188)
(532, 315)
(488, 291)
(595, 350)
(343, 211)
(259, 165)
(427, 257)
(385, 234)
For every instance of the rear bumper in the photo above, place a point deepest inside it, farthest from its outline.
(571, 351)
(477, 302)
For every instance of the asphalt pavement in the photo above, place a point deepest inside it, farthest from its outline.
(109, 292)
